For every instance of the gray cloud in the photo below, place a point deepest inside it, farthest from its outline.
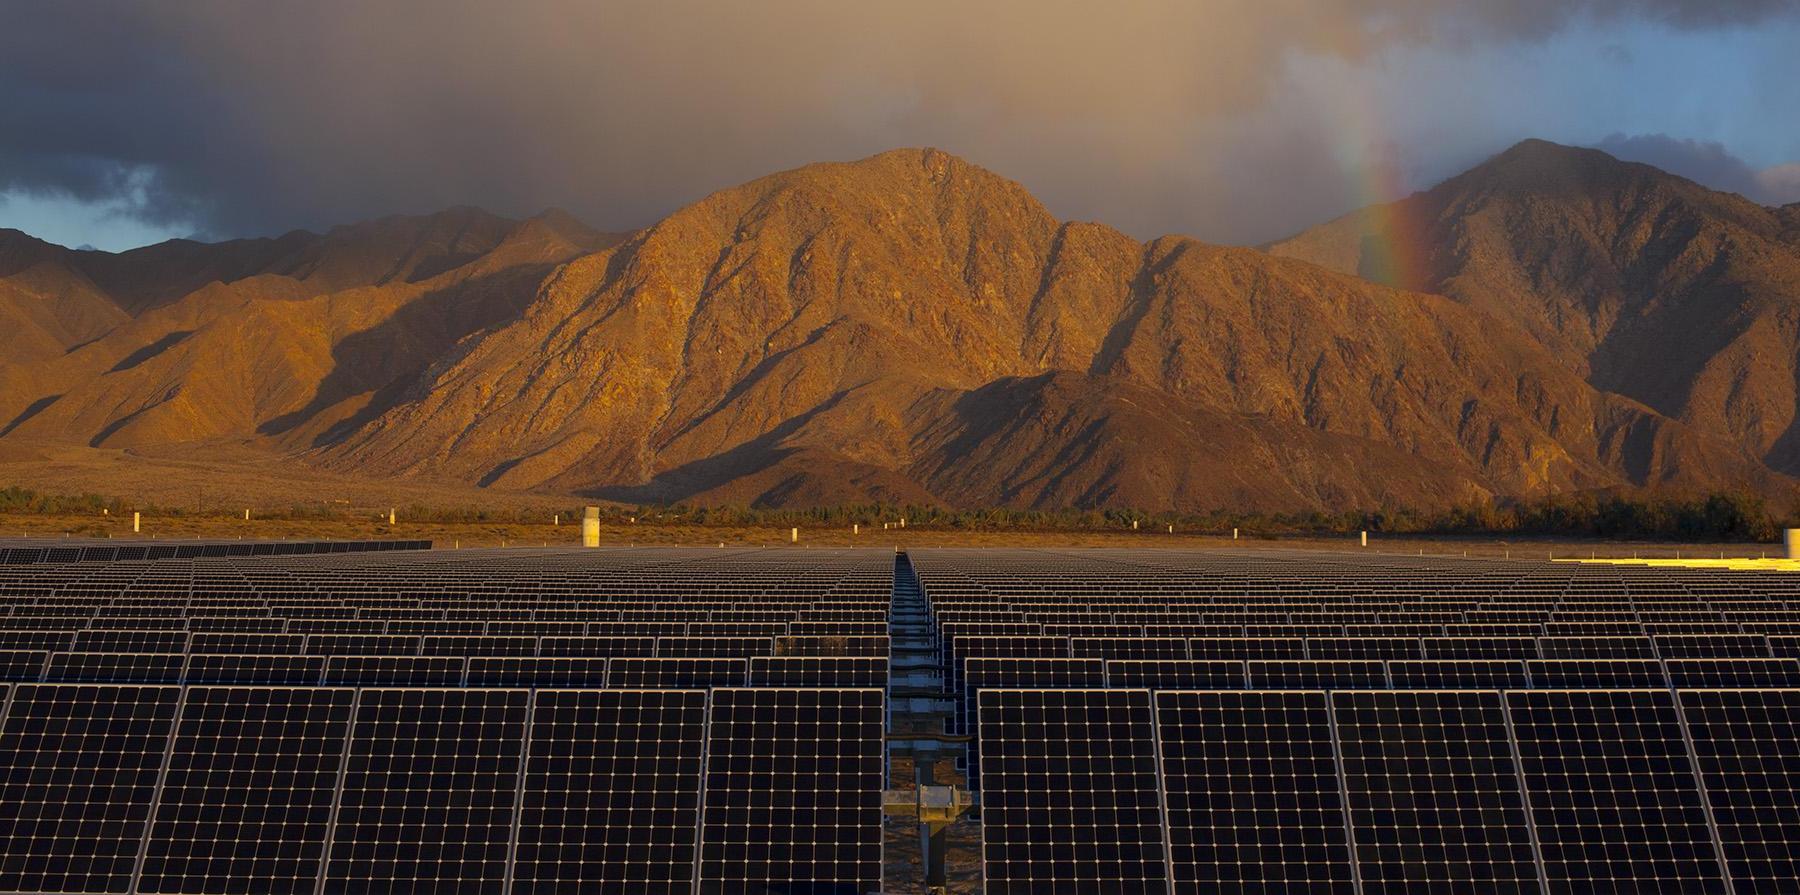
(256, 118)
(1710, 164)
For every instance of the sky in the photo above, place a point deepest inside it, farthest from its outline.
(1234, 121)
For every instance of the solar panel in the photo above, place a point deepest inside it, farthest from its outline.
(713, 647)
(612, 792)
(1175, 674)
(1433, 791)
(393, 671)
(429, 791)
(1128, 647)
(1560, 674)
(1363, 648)
(78, 770)
(1251, 785)
(217, 642)
(1734, 673)
(1070, 800)
(1711, 646)
(793, 788)
(1612, 791)
(1242, 648)
(362, 645)
(818, 671)
(792, 645)
(456, 645)
(676, 674)
(1457, 674)
(1596, 648)
(1481, 648)
(26, 666)
(246, 802)
(597, 647)
(130, 641)
(253, 669)
(115, 668)
(538, 671)
(1316, 674)
(1747, 748)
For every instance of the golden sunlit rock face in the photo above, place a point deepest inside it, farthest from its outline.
(914, 327)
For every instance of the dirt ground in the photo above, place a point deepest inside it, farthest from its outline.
(475, 534)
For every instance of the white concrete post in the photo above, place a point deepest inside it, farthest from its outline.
(855, 528)
(794, 535)
(1234, 534)
(1365, 539)
(246, 515)
(1134, 525)
(136, 520)
(590, 527)
(391, 516)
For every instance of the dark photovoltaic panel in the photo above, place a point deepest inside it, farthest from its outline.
(1457, 674)
(78, 771)
(1612, 791)
(1596, 648)
(714, 647)
(115, 668)
(597, 647)
(525, 671)
(130, 642)
(478, 646)
(1246, 648)
(1735, 673)
(1561, 674)
(394, 671)
(1175, 674)
(231, 642)
(1316, 674)
(818, 671)
(26, 666)
(246, 802)
(676, 674)
(429, 791)
(612, 792)
(1711, 646)
(792, 645)
(1481, 648)
(362, 645)
(1434, 792)
(793, 791)
(1747, 745)
(1128, 647)
(1363, 648)
(252, 669)
(1069, 792)
(1251, 786)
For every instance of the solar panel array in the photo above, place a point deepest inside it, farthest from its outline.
(609, 721)
(1362, 724)
(681, 720)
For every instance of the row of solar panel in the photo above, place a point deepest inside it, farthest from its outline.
(173, 626)
(443, 671)
(279, 790)
(177, 642)
(1688, 791)
(137, 552)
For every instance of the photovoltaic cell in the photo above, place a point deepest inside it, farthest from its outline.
(25, 666)
(793, 789)
(1457, 674)
(1559, 674)
(1612, 791)
(78, 771)
(818, 671)
(527, 671)
(612, 792)
(246, 802)
(1175, 674)
(1434, 792)
(1251, 785)
(429, 791)
(252, 669)
(1747, 746)
(676, 674)
(1069, 792)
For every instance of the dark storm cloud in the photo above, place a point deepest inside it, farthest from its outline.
(1708, 163)
(256, 118)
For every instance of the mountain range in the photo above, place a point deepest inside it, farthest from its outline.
(913, 328)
